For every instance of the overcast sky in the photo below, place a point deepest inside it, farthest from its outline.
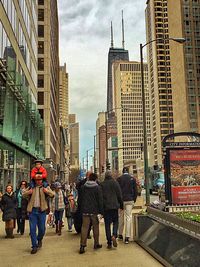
(84, 44)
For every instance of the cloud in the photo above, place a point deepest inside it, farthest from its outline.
(84, 44)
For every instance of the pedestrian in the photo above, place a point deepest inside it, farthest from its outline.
(21, 207)
(8, 205)
(58, 206)
(70, 210)
(91, 205)
(37, 206)
(112, 201)
(129, 195)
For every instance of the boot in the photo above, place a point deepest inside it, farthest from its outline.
(7, 233)
(60, 228)
(82, 250)
(11, 233)
(56, 228)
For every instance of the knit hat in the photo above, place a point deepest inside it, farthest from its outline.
(57, 185)
(38, 161)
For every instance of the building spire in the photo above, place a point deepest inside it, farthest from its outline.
(112, 42)
(123, 31)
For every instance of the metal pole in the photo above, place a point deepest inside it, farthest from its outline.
(87, 161)
(83, 163)
(94, 153)
(106, 124)
(144, 130)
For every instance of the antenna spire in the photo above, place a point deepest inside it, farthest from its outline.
(123, 31)
(112, 42)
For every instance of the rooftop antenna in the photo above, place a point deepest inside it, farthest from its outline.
(112, 42)
(122, 31)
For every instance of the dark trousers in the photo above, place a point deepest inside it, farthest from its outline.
(111, 216)
(20, 221)
(87, 220)
(37, 219)
(58, 216)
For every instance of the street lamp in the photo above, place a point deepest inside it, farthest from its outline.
(145, 146)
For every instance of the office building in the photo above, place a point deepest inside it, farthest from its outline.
(74, 141)
(21, 127)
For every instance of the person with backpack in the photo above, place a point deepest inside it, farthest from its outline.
(128, 187)
(70, 210)
(58, 205)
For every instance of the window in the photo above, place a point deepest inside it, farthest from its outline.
(40, 2)
(40, 98)
(41, 14)
(40, 30)
(40, 63)
(41, 111)
(40, 81)
(40, 47)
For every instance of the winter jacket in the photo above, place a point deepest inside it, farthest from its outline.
(43, 198)
(42, 170)
(9, 207)
(128, 187)
(112, 195)
(24, 204)
(91, 198)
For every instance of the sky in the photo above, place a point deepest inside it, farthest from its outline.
(84, 30)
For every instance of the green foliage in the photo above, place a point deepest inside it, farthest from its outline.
(189, 216)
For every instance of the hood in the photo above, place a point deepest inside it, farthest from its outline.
(90, 184)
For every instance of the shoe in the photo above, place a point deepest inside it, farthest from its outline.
(97, 246)
(39, 243)
(69, 230)
(114, 241)
(89, 237)
(34, 250)
(82, 250)
(126, 240)
(109, 246)
(120, 237)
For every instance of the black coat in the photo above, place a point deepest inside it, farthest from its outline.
(128, 187)
(23, 213)
(9, 206)
(91, 198)
(112, 195)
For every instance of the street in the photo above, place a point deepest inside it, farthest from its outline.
(63, 251)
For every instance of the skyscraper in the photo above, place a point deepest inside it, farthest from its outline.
(174, 73)
(74, 141)
(128, 94)
(21, 127)
(48, 80)
(114, 54)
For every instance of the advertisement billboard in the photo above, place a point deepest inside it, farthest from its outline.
(185, 175)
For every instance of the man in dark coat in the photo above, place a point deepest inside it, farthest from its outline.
(129, 194)
(91, 200)
(112, 201)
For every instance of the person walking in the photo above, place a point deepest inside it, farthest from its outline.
(21, 207)
(37, 206)
(91, 200)
(8, 206)
(70, 210)
(112, 201)
(129, 195)
(58, 206)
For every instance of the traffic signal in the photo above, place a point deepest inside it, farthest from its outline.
(108, 165)
(102, 168)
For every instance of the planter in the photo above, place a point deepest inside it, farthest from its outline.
(173, 241)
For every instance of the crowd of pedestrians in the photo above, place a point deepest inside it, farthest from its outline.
(84, 205)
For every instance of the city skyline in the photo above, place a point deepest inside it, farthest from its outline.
(84, 45)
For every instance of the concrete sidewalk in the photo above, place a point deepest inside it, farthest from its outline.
(63, 251)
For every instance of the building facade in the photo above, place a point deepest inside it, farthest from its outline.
(21, 126)
(174, 85)
(64, 124)
(48, 81)
(74, 141)
(128, 95)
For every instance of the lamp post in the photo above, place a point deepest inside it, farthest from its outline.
(145, 145)
(87, 157)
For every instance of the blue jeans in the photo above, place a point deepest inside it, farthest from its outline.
(37, 219)
(58, 216)
(70, 222)
(111, 216)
